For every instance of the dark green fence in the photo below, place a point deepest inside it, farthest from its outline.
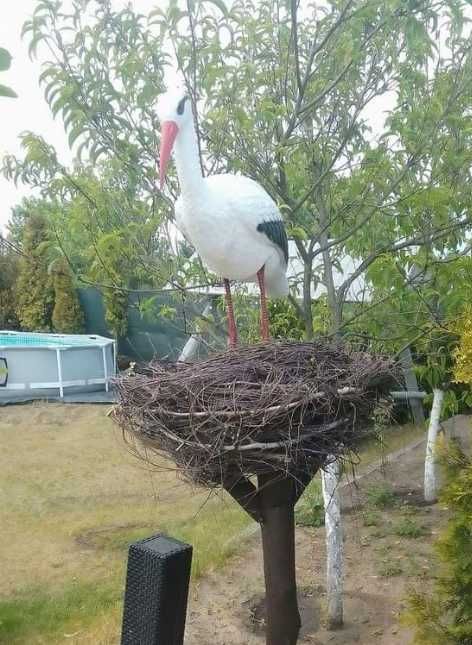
(149, 334)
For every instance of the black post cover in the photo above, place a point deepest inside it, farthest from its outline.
(156, 592)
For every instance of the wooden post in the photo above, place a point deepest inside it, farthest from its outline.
(334, 543)
(278, 544)
(272, 505)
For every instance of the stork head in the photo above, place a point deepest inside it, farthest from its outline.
(174, 111)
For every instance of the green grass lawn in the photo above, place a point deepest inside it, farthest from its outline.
(72, 498)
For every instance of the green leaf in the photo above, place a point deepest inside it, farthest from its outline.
(7, 91)
(297, 232)
(221, 6)
(166, 311)
(5, 59)
(74, 134)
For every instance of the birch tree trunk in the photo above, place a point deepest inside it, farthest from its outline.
(331, 476)
(334, 305)
(430, 466)
(334, 543)
(416, 405)
(190, 349)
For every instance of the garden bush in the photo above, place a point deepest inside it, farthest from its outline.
(444, 616)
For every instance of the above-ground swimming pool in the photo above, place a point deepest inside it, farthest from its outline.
(48, 365)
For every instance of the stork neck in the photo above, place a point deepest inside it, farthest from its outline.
(187, 161)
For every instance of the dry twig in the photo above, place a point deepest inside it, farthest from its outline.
(268, 408)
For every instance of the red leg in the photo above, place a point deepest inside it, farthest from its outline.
(232, 331)
(264, 312)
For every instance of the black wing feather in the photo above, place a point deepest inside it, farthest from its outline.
(275, 231)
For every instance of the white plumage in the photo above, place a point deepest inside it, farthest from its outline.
(223, 229)
(219, 215)
(232, 222)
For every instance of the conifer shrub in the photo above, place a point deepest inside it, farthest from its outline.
(34, 286)
(67, 316)
(444, 616)
(8, 273)
(116, 311)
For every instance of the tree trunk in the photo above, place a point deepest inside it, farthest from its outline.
(330, 477)
(334, 543)
(308, 314)
(190, 349)
(416, 405)
(278, 544)
(335, 307)
(430, 466)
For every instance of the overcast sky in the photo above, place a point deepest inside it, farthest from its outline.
(29, 111)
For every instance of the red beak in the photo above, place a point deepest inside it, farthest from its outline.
(169, 131)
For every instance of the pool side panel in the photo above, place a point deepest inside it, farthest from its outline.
(33, 371)
(28, 365)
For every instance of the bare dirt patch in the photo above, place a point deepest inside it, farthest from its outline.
(383, 561)
(99, 538)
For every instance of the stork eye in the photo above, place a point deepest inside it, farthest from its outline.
(181, 105)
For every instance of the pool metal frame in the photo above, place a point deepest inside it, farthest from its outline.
(69, 341)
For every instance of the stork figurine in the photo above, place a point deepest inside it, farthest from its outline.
(232, 222)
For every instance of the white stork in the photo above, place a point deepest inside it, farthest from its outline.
(232, 222)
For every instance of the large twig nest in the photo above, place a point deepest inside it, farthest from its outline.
(275, 407)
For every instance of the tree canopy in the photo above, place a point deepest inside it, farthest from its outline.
(289, 94)
(5, 63)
